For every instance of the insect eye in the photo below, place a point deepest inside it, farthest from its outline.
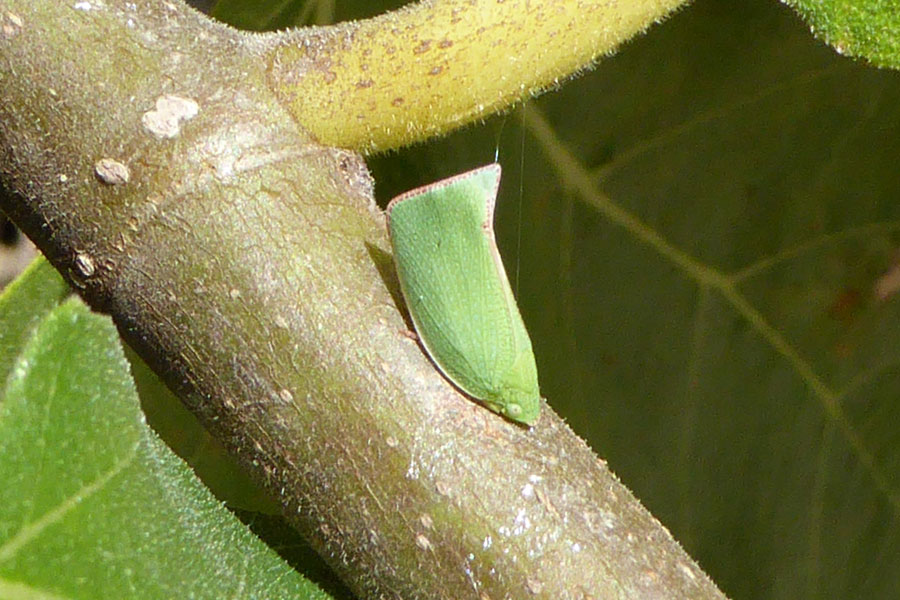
(513, 410)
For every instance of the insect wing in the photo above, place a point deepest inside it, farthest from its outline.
(456, 289)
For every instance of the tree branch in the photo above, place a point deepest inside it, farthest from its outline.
(249, 266)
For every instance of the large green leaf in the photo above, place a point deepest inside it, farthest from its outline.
(92, 504)
(23, 304)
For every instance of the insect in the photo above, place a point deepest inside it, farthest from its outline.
(458, 294)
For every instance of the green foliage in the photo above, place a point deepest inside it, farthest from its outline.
(26, 301)
(92, 503)
(868, 29)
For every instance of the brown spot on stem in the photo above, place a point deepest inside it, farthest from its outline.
(111, 171)
(11, 24)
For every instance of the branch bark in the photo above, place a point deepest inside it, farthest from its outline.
(154, 166)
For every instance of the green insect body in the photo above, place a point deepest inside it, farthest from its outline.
(457, 292)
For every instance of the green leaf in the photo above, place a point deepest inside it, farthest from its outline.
(868, 29)
(23, 304)
(708, 229)
(92, 504)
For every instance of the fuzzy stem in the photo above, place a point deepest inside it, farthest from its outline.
(432, 67)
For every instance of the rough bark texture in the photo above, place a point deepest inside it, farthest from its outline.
(249, 266)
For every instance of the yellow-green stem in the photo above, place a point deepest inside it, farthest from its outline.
(427, 69)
